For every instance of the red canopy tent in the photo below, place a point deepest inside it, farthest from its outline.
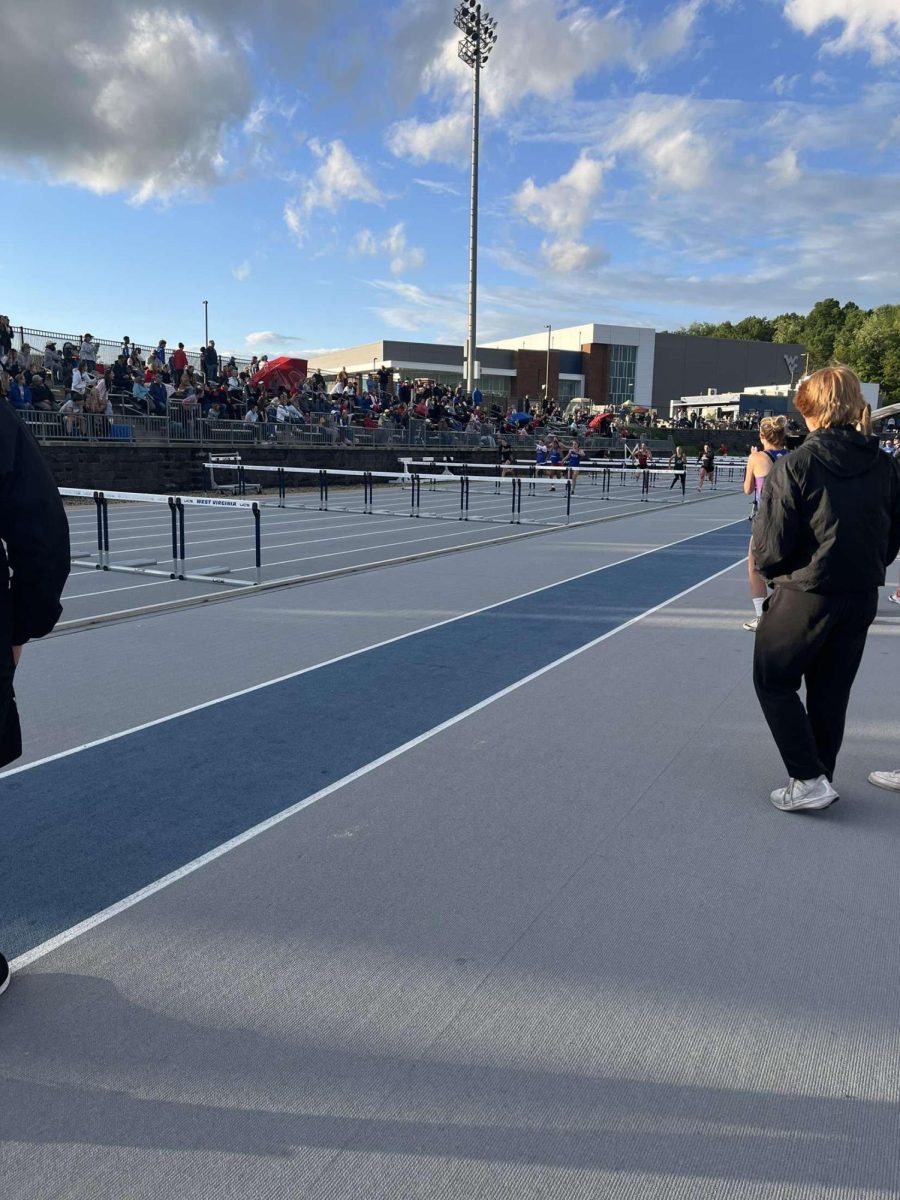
(596, 422)
(282, 373)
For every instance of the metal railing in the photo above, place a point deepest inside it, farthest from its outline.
(107, 350)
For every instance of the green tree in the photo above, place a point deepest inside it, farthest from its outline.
(823, 324)
(754, 329)
(789, 329)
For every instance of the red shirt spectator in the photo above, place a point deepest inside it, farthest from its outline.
(179, 358)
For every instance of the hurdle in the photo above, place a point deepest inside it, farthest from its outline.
(413, 479)
(176, 506)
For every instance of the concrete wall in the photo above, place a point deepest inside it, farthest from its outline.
(174, 469)
(686, 366)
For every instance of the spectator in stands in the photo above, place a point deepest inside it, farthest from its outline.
(179, 364)
(212, 363)
(52, 361)
(141, 394)
(80, 379)
(135, 362)
(88, 351)
(19, 394)
(121, 376)
(6, 336)
(126, 348)
(157, 395)
(73, 411)
(42, 399)
(160, 353)
(11, 362)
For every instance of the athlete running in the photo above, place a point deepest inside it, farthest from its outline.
(540, 457)
(707, 461)
(678, 464)
(555, 459)
(573, 462)
(759, 464)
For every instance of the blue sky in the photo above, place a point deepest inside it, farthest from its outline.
(304, 165)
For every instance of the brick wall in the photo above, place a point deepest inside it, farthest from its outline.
(597, 359)
(174, 469)
(531, 366)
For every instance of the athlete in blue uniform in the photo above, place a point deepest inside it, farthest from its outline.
(555, 460)
(573, 462)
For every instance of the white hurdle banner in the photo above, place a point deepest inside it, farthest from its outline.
(176, 506)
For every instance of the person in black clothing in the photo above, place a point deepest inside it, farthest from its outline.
(212, 363)
(827, 529)
(34, 566)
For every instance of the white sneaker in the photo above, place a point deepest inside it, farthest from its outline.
(804, 793)
(752, 624)
(886, 779)
(894, 597)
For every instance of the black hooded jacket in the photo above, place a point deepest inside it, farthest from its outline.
(34, 559)
(829, 517)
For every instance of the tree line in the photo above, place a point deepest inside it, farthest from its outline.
(867, 340)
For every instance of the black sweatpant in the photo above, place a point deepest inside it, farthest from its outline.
(817, 639)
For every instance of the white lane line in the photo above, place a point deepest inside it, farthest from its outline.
(114, 737)
(107, 914)
(375, 529)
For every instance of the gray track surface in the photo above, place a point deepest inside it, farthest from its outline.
(565, 948)
(303, 542)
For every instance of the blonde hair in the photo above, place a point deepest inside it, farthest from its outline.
(831, 396)
(772, 430)
(865, 420)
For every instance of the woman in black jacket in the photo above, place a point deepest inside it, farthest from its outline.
(827, 529)
(34, 566)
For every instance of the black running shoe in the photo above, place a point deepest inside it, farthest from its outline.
(5, 974)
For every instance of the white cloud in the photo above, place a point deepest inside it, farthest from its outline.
(563, 208)
(267, 337)
(566, 256)
(783, 168)
(242, 271)
(783, 85)
(544, 48)
(872, 26)
(663, 132)
(338, 178)
(403, 257)
(146, 98)
(365, 243)
(439, 188)
(445, 140)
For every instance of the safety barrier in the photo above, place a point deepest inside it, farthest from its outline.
(176, 506)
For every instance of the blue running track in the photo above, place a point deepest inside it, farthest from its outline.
(84, 831)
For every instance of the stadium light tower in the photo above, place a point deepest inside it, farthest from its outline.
(479, 36)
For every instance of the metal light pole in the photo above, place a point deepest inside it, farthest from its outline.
(547, 372)
(479, 32)
(205, 322)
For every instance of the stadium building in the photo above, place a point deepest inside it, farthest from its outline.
(609, 364)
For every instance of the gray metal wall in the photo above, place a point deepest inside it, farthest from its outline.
(687, 366)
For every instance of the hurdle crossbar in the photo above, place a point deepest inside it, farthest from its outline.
(176, 506)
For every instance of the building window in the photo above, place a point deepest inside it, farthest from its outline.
(569, 389)
(622, 369)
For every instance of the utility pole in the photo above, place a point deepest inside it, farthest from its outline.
(479, 32)
(205, 322)
(547, 371)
